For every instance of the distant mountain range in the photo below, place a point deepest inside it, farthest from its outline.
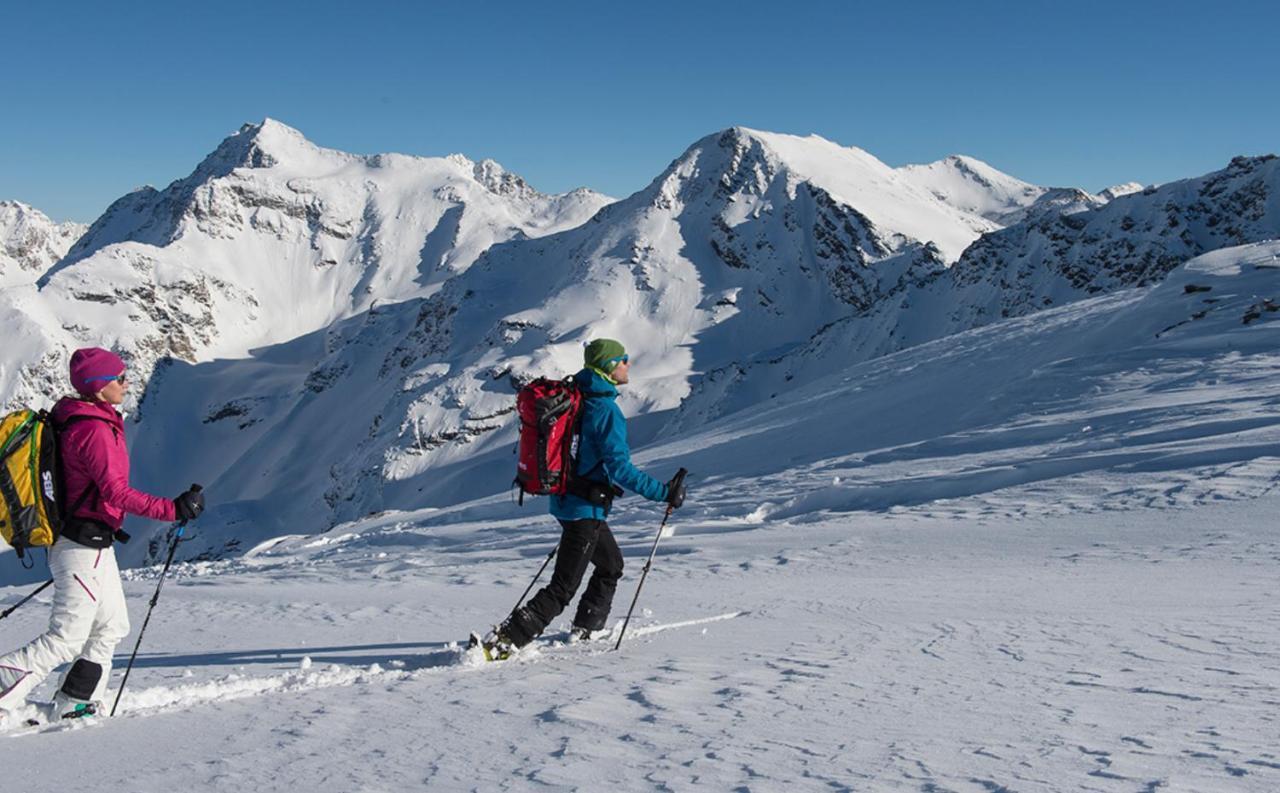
(323, 335)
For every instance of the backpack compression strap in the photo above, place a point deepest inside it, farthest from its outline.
(24, 518)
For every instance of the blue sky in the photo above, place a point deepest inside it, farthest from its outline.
(99, 98)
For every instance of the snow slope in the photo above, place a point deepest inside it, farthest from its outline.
(1035, 556)
(30, 243)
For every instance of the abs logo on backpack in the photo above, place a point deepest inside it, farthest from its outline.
(549, 411)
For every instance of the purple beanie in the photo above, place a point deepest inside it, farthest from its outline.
(92, 368)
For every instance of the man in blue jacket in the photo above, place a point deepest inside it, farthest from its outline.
(602, 467)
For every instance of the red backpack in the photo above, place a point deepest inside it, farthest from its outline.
(549, 411)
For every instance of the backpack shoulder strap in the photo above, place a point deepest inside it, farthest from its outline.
(93, 486)
(62, 426)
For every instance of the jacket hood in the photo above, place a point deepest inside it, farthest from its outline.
(70, 406)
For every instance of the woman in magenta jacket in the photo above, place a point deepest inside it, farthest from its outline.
(89, 614)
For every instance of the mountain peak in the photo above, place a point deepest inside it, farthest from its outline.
(1116, 191)
(30, 242)
(499, 180)
(265, 145)
(974, 186)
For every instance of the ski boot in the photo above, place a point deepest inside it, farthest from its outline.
(579, 634)
(495, 645)
(66, 708)
(74, 699)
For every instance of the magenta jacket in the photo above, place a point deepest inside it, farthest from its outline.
(94, 458)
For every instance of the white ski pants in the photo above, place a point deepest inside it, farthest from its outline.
(89, 620)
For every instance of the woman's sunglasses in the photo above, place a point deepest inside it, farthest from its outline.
(123, 378)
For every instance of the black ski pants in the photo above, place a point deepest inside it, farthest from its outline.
(581, 542)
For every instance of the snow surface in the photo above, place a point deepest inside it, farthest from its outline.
(1034, 556)
(1114, 651)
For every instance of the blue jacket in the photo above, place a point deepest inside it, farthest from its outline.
(603, 452)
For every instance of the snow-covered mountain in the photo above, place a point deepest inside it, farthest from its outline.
(270, 238)
(1133, 240)
(1073, 249)
(1119, 190)
(30, 243)
(747, 245)
(975, 187)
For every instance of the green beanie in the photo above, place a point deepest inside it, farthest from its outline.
(603, 354)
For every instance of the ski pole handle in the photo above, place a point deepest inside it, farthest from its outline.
(182, 524)
(675, 490)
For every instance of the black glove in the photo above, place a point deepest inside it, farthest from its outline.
(190, 504)
(675, 489)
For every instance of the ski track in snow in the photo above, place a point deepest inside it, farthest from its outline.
(451, 657)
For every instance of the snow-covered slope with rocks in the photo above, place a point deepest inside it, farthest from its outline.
(1068, 248)
(1131, 241)
(31, 243)
(270, 238)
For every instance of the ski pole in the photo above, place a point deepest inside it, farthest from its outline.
(22, 602)
(529, 588)
(154, 599)
(645, 572)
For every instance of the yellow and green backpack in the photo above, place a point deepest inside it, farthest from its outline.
(30, 480)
